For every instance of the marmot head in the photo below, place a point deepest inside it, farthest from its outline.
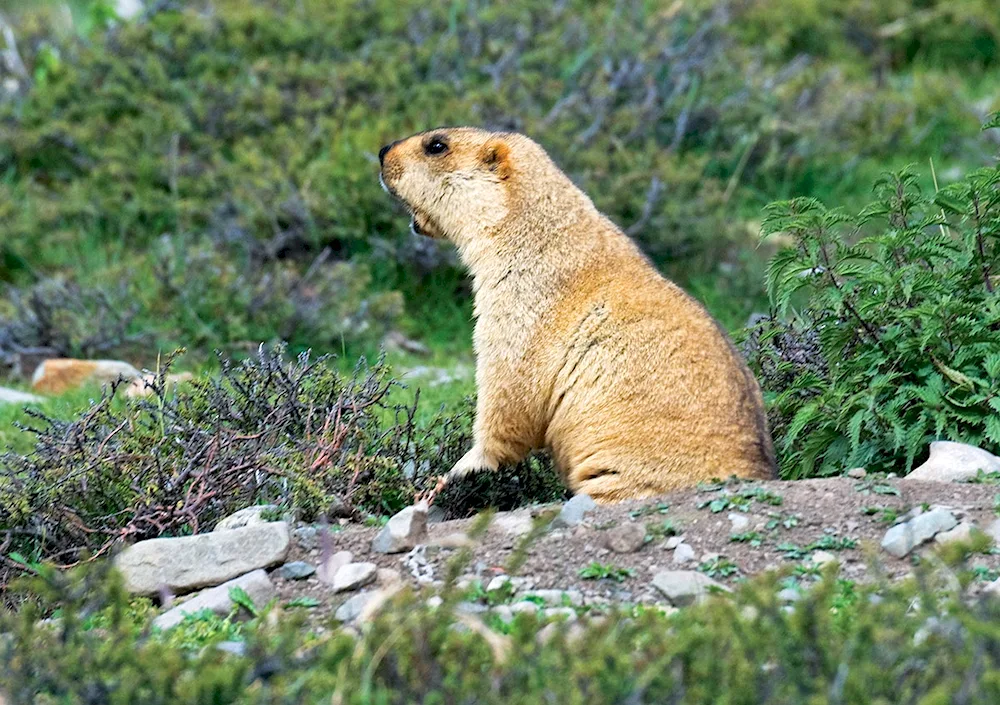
(451, 179)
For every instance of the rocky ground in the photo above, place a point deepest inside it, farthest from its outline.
(665, 551)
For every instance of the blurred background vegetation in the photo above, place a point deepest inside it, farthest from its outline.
(204, 174)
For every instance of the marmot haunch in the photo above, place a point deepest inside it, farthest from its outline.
(582, 347)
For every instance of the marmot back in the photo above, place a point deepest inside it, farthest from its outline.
(581, 345)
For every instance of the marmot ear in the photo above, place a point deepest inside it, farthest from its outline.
(496, 157)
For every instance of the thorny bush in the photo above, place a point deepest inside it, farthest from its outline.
(295, 433)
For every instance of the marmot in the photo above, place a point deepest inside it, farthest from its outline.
(582, 347)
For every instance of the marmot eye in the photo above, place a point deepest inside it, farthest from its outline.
(436, 147)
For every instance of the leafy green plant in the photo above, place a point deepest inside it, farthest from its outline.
(876, 485)
(741, 499)
(719, 568)
(304, 601)
(889, 515)
(828, 542)
(786, 521)
(661, 530)
(241, 598)
(659, 508)
(896, 340)
(754, 538)
(600, 571)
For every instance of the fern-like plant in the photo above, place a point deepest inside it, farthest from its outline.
(885, 330)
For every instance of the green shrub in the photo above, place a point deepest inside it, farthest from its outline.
(839, 644)
(897, 340)
(245, 134)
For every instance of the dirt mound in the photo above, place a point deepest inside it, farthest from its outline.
(734, 531)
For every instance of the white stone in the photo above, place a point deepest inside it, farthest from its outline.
(512, 523)
(328, 568)
(993, 531)
(246, 517)
(962, 532)
(353, 576)
(627, 538)
(739, 522)
(13, 396)
(683, 554)
(683, 587)
(954, 462)
(557, 598)
(903, 538)
(353, 608)
(256, 584)
(186, 563)
(403, 531)
(573, 511)
(822, 557)
(500, 581)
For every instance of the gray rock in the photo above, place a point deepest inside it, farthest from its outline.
(573, 511)
(296, 570)
(739, 522)
(822, 557)
(962, 532)
(307, 537)
(627, 538)
(504, 613)
(353, 576)
(512, 523)
(352, 609)
(187, 563)
(552, 612)
(954, 462)
(515, 584)
(857, 473)
(683, 554)
(456, 539)
(403, 531)
(789, 595)
(250, 516)
(683, 587)
(993, 531)
(13, 396)
(364, 606)
(903, 538)
(236, 648)
(557, 598)
(388, 576)
(673, 542)
(519, 607)
(216, 599)
(329, 566)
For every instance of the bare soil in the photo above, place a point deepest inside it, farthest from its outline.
(784, 518)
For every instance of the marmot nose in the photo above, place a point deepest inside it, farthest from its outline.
(381, 153)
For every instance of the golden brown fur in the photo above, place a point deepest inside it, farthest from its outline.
(581, 346)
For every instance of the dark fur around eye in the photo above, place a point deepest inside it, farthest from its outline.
(435, 147)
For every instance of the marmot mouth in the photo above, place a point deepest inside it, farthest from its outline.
(420, 224)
